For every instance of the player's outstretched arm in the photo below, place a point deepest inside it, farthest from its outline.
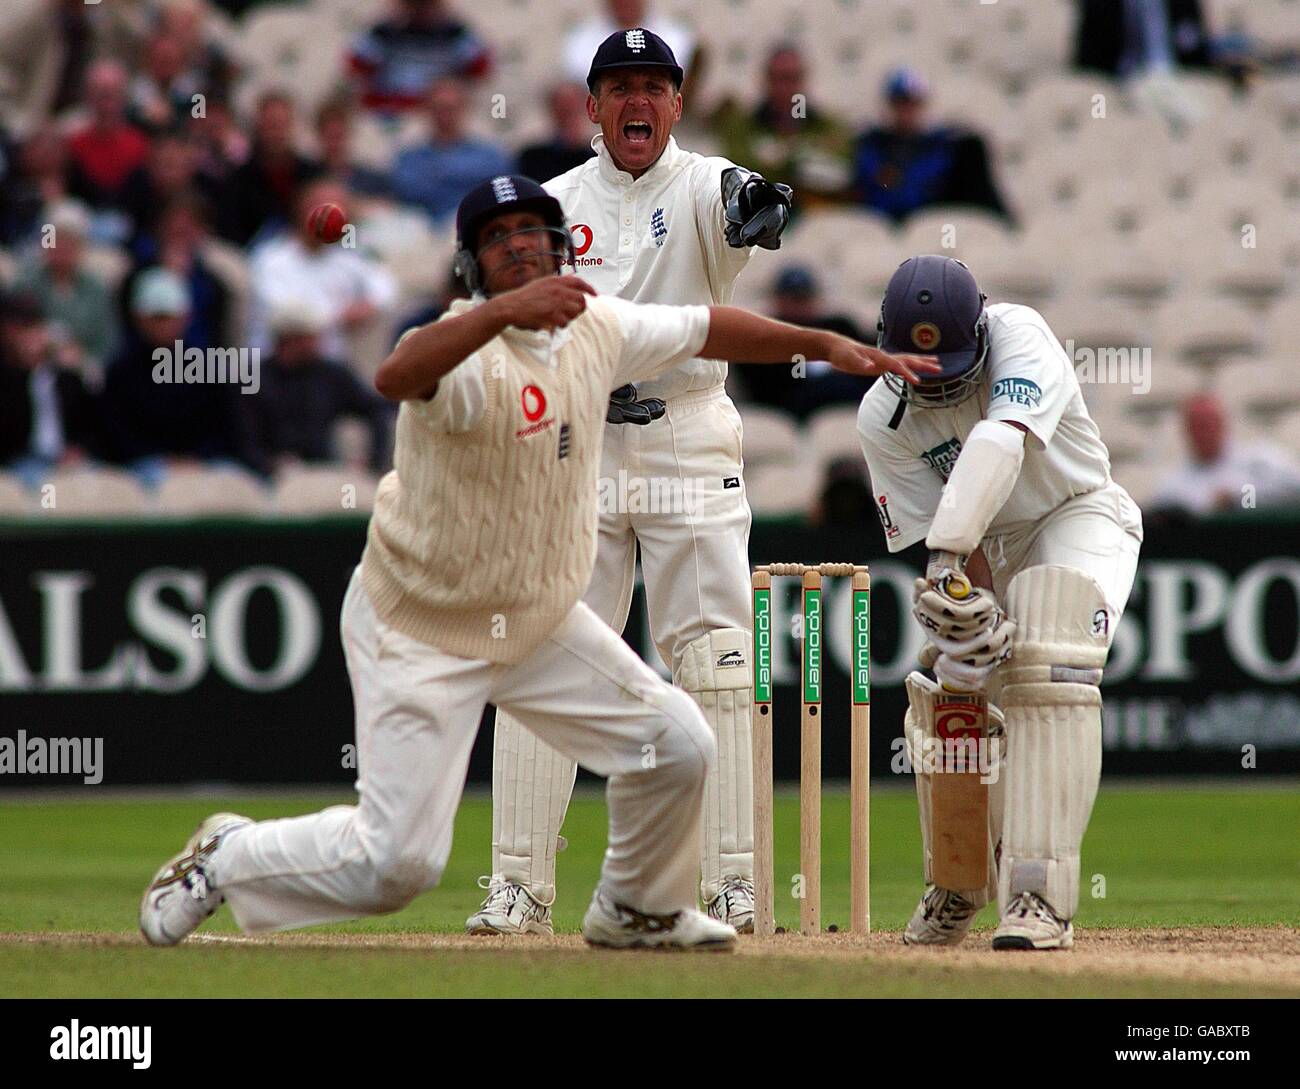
(413, 368)
(740, 336)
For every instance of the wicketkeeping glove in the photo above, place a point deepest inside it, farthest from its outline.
(756, 210)
(624, 408)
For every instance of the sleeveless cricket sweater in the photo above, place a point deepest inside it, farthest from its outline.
(482, 542)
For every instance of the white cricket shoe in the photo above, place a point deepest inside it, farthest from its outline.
(1030, 923)
(181, 895)
(509, 908)
(621, 927)
(943, 917)
(734, 904)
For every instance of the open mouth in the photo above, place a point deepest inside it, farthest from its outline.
(637, 132)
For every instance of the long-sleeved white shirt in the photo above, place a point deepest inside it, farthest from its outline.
(656, 239)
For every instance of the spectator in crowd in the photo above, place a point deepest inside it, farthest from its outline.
(355, 291)
(796, 297)
(844, 501)
(304, 394)
(261, 193)
(153, 426)
(1132, 39)
(188, 23)
(82, 320)
(1221, 474)
(906, 164)
(569, 144)
(171, 171)
(785, 137)
(37, 179)
(221, 144)
(163, 91)
(176, 242)
(585, 38)
(35, 58)
(397, 61)
(437, 173)
(47, 416)
(108, 149)
(334, 140)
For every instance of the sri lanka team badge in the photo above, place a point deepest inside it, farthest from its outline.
(925, 335)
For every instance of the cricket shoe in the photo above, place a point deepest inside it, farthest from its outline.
(509, 908)
(1030, 923)
(181, 894)
(943, 917)
(734, 904)
(618, 926)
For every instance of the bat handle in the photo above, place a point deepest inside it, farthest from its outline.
(957, 586)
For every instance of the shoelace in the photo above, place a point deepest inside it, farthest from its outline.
(949, 907)
(1026, 904)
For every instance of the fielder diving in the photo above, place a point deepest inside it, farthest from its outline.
(997, 465)
(480, 546)
(655, 223)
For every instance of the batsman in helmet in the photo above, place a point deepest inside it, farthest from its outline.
(996, 465)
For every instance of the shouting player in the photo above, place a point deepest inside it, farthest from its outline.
(655, 224)
(997, 465)
(481, 544)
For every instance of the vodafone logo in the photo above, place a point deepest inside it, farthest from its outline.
(582, 238)
(534, 402)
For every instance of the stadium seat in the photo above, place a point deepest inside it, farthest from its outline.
(210, 491)
(781, 490)
(323, 489)
(771, 437)
(832, 433)
(1286, 431)
(1265, 389)
(14, 498)
(1204, 330)
(94, 492)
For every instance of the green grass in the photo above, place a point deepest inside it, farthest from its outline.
(1168, 858)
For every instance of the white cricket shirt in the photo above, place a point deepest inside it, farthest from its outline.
(655, 338)
(656, 239)
(1028, 380)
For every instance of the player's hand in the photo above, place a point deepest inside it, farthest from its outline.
(849, 356)
(949, 618)
(549, 303)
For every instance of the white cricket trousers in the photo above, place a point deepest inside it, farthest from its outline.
(417, 712)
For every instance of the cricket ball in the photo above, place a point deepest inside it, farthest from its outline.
(326, 222)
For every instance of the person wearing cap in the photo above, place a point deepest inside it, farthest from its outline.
(304, 394)
(654, 223)
(47, 416)
(997, 466)
(469, 591)
(796, 297)
(906, 164)
(152, 425)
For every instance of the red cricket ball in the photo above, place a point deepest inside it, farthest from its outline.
(327, 222)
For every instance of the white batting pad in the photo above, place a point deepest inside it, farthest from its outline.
(919, 732)
(531, 787)
(1052, 703)
(715, 671)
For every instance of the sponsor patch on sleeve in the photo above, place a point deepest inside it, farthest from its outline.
(1017, 391)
